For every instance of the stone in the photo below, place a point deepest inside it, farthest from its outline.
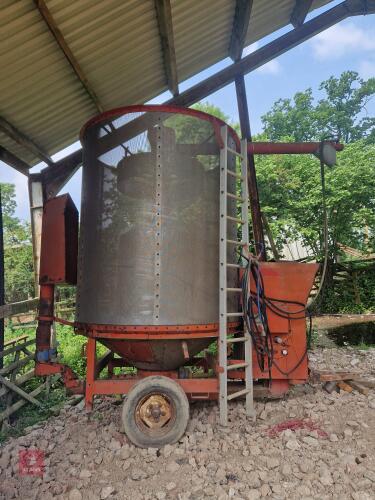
(333, 438)
(171, 486)
(348, 433)
(114, 445)
(172, 467)
(369, 474)
(326, 477)
(272, 462)
(124, 453)
(293, 445)
(253, 494)
(106, 492)
(310, 441)
(75, 494)
(85, 474)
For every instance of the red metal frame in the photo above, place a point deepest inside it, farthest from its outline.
(196, 388)
(217, 123)
(261, 148)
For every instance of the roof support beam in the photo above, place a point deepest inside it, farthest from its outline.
(56, 176)
(164, 17)
(52, 26)
(13, 161)
(244, 66)
(256, 215)
(240, 25)
(300, 10)
(24, 141)
(273, 49)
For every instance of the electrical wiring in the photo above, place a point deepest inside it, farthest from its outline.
(255, 305)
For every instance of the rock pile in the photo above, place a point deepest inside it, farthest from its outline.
(86, 456)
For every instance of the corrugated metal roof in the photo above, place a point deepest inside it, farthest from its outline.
(118, 47)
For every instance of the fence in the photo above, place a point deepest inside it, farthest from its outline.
(19, 355)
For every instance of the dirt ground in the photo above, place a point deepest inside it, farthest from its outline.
(327, 453)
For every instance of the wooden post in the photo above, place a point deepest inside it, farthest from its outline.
(256, 215)
(36, 196)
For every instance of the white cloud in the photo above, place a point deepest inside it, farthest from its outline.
(367, 69)
(340, 40)
(271, 68)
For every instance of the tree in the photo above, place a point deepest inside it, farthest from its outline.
(290, 195)
(340, 114)
(18, 255)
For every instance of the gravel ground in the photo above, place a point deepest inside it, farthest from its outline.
(331, 457)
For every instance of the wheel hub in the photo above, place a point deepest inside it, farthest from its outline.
(154, 411)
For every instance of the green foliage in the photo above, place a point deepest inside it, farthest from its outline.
(18, 254)
(341, 298)
(339, 114)
(291, 196)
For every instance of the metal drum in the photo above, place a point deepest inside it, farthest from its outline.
(149, 235)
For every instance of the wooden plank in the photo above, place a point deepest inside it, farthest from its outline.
(21, 338)
(18, 307)
(16, 348)
(13, 387)
(19, 381)
(13, 161)
(359, 387)
(58, 36)
(164, 17)
(16, 364)
(344, 386)
(241, 21)
(300, 11)
(327, 375)
(369, 383)
(11, 131)
(16, 406)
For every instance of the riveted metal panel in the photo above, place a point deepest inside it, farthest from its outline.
(150, 223)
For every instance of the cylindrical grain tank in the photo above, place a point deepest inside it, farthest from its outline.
(149, 236)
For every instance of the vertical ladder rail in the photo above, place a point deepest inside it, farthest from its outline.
(223, 278)
(245, 239)
(223, 324)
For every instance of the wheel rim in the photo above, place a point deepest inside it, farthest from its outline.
(155, 414)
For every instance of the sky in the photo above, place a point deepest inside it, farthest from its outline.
(349, 45)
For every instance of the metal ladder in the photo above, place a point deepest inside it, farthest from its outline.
(226, 316)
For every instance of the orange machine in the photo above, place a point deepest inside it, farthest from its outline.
(149, 270)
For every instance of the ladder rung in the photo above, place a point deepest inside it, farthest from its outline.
(233, 289)
(233, 315)
(234, 152)
(237, 366)
(234, 174)
(236, 266)
(239, 243)
(238, 394)
(234, 219)
(235, 197)
(237, 339)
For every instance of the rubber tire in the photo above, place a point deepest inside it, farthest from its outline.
(161, 385)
